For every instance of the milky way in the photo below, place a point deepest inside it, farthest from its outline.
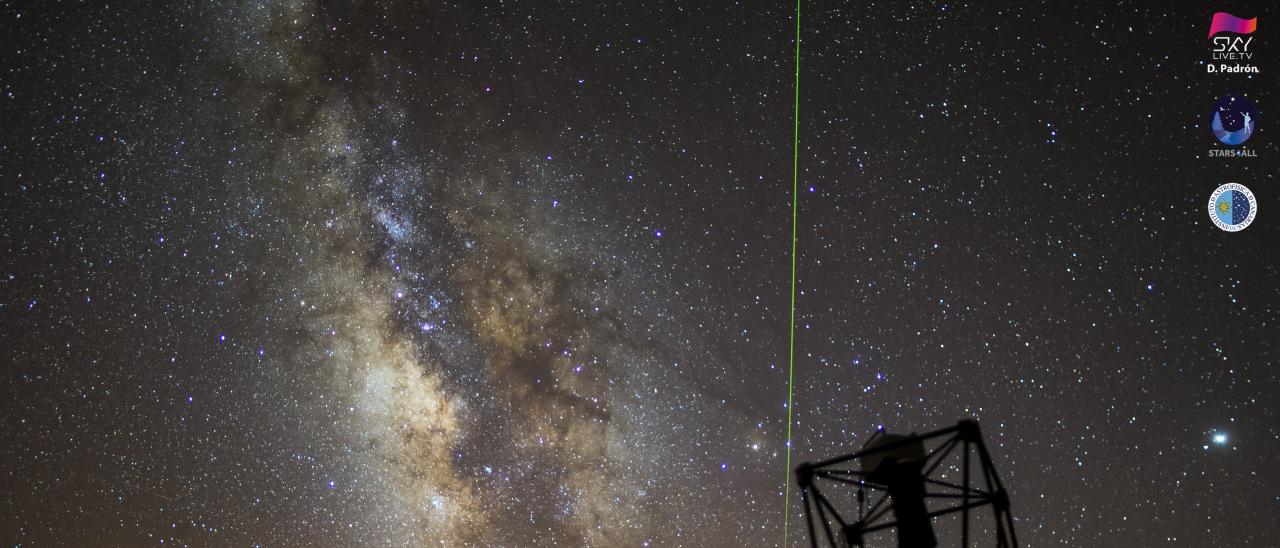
(474, 369)
(516, 274)
(430, 329)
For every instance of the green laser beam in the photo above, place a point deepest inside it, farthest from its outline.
(791, 344)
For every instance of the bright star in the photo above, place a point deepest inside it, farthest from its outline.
(1220, 438)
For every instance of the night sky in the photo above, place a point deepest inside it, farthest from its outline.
(518, 274)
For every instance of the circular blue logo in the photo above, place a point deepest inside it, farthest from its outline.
(1233, 119)
(1232, 207)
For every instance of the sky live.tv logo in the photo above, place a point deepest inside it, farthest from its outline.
(1231, 38)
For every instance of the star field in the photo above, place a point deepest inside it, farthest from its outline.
(515, 274)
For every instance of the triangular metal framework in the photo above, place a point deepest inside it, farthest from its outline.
(845, 530)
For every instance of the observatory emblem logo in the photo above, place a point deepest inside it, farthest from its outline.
(1231, 44)
(1232, 207)
(1233, 120)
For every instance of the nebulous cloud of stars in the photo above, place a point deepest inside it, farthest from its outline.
(473, 366)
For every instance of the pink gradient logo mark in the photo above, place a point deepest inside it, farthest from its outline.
(1225, 22)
